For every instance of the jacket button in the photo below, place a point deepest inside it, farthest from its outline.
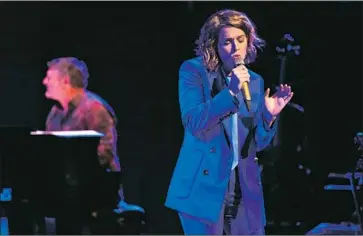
(205, 172)
(213, 149)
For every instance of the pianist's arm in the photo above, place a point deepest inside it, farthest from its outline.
(99, 119)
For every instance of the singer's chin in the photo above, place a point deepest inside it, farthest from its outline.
(237, 61)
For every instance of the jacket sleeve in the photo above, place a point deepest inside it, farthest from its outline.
(199, 114)
(264, 133)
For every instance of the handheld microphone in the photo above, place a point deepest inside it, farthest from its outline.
(245, 88)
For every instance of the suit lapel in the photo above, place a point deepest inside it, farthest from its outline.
(217, 87)
(254, 87)
(255, 90)
(217, 84)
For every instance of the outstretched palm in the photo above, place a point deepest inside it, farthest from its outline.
(278, 101)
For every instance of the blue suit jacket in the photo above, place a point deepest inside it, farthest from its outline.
(203, 169)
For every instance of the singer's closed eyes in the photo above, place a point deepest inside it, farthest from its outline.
(227, 117)
(228, 41)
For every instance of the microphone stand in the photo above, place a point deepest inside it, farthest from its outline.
(359, 166)
(358, 140)
(288, 48)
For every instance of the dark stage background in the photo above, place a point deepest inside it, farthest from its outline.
(134, 50)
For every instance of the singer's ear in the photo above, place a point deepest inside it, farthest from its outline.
(267, 92)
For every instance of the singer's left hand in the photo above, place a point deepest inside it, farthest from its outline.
(278, 101)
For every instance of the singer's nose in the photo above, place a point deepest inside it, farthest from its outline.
(235, 46)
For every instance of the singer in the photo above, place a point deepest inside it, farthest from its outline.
(77, 108)
(227, 118)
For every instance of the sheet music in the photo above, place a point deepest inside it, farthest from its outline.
(69, 134)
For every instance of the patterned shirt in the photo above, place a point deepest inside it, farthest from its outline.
(88, 111)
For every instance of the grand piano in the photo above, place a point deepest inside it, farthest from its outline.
(53, 174)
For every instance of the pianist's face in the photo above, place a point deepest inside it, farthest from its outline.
(55, 84)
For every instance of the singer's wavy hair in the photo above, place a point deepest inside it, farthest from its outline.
(206, 44)
(76, 70)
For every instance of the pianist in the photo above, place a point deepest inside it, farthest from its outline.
(79, 109)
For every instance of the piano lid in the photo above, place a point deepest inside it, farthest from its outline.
(69, 134)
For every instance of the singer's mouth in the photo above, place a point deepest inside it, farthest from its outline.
(236, 57)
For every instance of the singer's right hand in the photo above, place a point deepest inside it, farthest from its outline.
(239, 75)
